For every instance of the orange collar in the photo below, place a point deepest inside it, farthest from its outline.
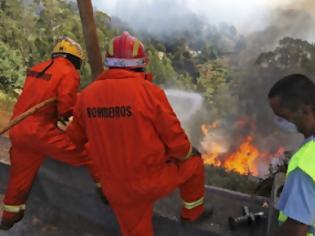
(123, 74)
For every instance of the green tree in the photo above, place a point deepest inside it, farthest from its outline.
(11, 68)
(161, 68)
(213, 75)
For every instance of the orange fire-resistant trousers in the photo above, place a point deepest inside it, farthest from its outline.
(136, 219)
(28, 152)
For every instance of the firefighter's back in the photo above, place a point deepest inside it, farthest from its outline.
(118, 110)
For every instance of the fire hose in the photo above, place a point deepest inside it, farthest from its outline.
(248, 218)
(26, 114)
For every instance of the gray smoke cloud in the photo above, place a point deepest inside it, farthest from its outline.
(163, 16)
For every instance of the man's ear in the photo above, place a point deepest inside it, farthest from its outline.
(307, 109)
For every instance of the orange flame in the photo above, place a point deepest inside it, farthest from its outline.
(212, 158)
(244, 160)
(241, 161)
(205, 128)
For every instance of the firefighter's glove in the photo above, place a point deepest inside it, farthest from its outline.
(195, 152)
(63, 123)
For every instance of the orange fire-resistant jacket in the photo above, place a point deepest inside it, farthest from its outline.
(61, 80)
(132, 131)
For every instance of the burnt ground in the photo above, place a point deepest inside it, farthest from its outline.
(64, 202)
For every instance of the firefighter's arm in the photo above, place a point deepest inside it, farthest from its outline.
(67, 94)
(292, 228)
(169, 129)
(76, 130)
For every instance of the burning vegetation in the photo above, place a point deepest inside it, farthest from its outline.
(240, 154)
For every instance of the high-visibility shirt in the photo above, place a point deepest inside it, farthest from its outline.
(303, 160)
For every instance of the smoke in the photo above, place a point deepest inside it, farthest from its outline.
(305, 5)
(259, 24)
(163, 17)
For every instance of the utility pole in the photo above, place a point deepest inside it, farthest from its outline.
(90, 36)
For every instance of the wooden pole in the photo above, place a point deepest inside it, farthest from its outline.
(90, 36)
(26, 114)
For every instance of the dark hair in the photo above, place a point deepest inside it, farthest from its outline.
(294, 90)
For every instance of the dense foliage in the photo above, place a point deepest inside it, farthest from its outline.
(30, 28)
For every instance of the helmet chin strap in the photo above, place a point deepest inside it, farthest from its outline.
(55, 55)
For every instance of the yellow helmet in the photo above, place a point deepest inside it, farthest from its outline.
(69, 46)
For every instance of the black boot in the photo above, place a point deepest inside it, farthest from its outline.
(8, 224)
(102, 196)
(205, 216)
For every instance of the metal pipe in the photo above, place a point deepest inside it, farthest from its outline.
(90, 36)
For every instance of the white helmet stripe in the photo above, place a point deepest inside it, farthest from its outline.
(122, 62)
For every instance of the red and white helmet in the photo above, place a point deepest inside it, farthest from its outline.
(126, 51)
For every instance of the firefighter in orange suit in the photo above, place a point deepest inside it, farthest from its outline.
(137, 143)
(38, 135)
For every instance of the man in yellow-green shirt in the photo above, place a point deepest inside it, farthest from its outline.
(293, 101)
